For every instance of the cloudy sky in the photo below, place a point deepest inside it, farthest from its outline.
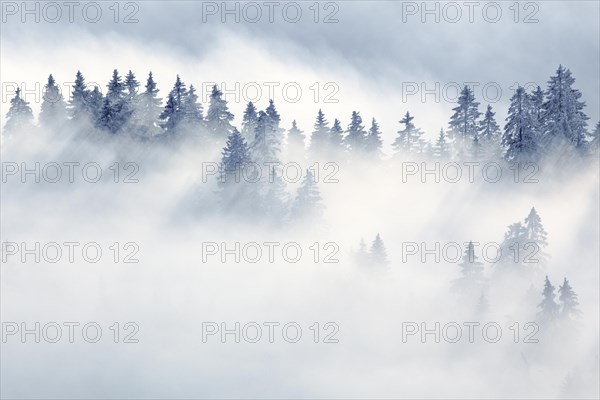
(381, 58)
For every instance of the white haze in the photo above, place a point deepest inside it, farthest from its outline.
(170, 292)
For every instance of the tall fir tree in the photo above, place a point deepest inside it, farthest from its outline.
(548, 307)
(377, 253)
(490, 135)
(441, 150)
(295, 143)
(564, 119)
(249, 122)
(19, 116)
(568, 301)
(409, 139)
(53, 111)
(463, 125)
(193, 113)
(115, 111)
(78, 106)
(336, 136)
(218, 117)
(520, 139)
(148, 109)
(355, 134)
(373, 142)
(172, 114)
(268, 137)
(319, 139)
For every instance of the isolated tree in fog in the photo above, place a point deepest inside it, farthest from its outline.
(469, 266)
(218, 117)
(548, 307)
(373, 142)
(463, 125)
(409, 138)
(564, 119)
(520, 138)
(362, 254)
(307, 204)
(19, 114)
(568, 300)
(53, 111)
(356, 135)
(378, 254)
(249, 121)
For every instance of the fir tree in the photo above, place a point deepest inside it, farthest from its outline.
(441, 149)
(172, 115)
(115, 111)
(307, 205)
(471, 269)
(548, 307)
(373, 143)
(268, 138)
(568, 299)
(362, 255)
(378, 254)
(131, 84)
(235, 158)
(563, 116)
(320, 137)
(409, 139)
(295, 143)
(54, 109)
(218, 117)
(534, 230)
(249, 122)
(19, 116)
(519, 132)
(356, 135)
(148, 109)
(490, 135)
(192, 115)
(336, 136)
(464, 124)
(78, 106)
(94, 103)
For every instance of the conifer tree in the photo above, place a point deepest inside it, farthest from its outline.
(320, 137)
(19, 116)
(249, 122)
(378, 254)
(568, 299)
(53, 111)
(409, 139)
(464, 124)
(548, 307)
(307, 205)
(373, 142)
(218, 117)
(356, 135)
(295, 143)
(519, 137)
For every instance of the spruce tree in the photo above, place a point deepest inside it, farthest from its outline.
(192, 115)
(319, 138)
(548, 307)
(464, 124)
(568, 299)
(564, 119)
(218, 117)
(115, 111)
(336, 136)
(295, 143)
(19, 116)
(373, 142)
(356, 135)
(148, 109)
(378, 254)
(249, 121)
(409, 139)
(520, 139)
(441, 149)
(172, 115)
(490, 135)
(53, 111)
(78, 106)
(268, 137)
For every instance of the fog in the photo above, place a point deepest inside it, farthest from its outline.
(172, 281)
